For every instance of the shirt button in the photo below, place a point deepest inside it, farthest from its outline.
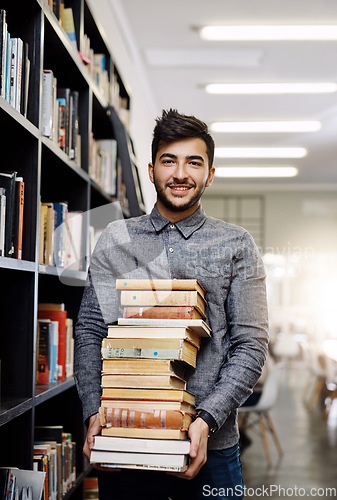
(171, 250)
(172, 226)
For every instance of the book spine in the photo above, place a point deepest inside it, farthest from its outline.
(14, 56)
(18, 218)
(3, 50)
(43, 354)
(8, 69)
(142, 419)
(18, 83)
(2, 220)
(47, 103)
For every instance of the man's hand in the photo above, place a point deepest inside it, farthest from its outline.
(93, 430)
(198, 434)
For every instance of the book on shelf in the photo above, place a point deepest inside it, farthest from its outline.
(19, 197)
(7, 181)
(3, 51)
(69, 25)
(2, 220)
(139, 445)
(174, 349)
(55, 452)
(47, 230)
(16, 47)
(148, 394)
(160, 284)
(60, 210)
(141, 459)
(157, 380)
(47, 102)
(164, 312)
(192, 330)
(57, 313)
(132, 418)
(21, 484)
(47, 351)
(74, 241)
(138, 366)
(163, 297)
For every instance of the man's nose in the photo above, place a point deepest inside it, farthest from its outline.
(180, 171)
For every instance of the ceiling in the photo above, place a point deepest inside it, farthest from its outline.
(178, 64)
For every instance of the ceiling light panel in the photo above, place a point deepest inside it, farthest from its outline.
(265, 127)
(254, 172)
(269, 32)
(271, 88)
(245, 152)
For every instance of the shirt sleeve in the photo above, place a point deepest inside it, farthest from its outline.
(247, 321)
(90, 329)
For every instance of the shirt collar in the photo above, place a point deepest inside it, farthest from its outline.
(186, 226)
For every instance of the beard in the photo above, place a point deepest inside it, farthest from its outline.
(161, 194)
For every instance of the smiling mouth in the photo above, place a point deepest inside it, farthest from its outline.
(180, 189)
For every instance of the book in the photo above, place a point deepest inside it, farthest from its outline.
(53, 351)
(154, 326)
(136, 366)
(140, 380)
(2, 220)
(64, 93)
(148, 394)
(18, 81)
(74, 128)
(48, 233)
(7, 181)
(163, 468)
(43, 349)
(25, 80)
(47, 102)
(160, 284)
(141, 404)
(60, 212)
(144, 433)
(162, 312)
(155, 459)
(19, 196)
(163, 297)
(167, 446)
(59, 315)
(144, 418)
(3, 51)
(73, 241)
(69, 25)
(154, 332)
(174, 349)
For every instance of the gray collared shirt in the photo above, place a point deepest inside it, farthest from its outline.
(227, 263)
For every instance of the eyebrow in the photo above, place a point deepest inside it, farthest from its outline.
(189, 157)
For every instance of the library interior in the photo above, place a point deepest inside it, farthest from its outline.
(82, 83)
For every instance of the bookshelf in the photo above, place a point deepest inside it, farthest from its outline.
(50, 176)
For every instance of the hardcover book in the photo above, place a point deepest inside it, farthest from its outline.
(167, 446)
(163, 381)
(162, 312)
(163, 298)
(144, 419)
(160, 284)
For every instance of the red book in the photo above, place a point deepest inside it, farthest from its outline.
(51, 311)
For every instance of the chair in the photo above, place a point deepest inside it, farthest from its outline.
(261, 409)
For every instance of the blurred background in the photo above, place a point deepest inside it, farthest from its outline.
(265, 82)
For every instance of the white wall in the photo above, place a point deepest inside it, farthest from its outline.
(114, 27)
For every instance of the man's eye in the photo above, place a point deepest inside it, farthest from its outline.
(195, 163)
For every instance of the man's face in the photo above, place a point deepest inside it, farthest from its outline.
(180, 175)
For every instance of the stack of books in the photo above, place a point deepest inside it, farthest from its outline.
(145, 408)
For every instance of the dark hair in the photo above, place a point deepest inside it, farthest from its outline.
(172, 126)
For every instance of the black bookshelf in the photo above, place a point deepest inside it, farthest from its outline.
(50, 175)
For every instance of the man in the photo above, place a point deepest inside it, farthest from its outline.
(177, 240)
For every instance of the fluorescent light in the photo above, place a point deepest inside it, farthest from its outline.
(260, 152)
(271, 88)
(256, 171)
(264, 32)
(266, 127)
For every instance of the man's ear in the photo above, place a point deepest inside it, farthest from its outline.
(150, 169)
(210, 176)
